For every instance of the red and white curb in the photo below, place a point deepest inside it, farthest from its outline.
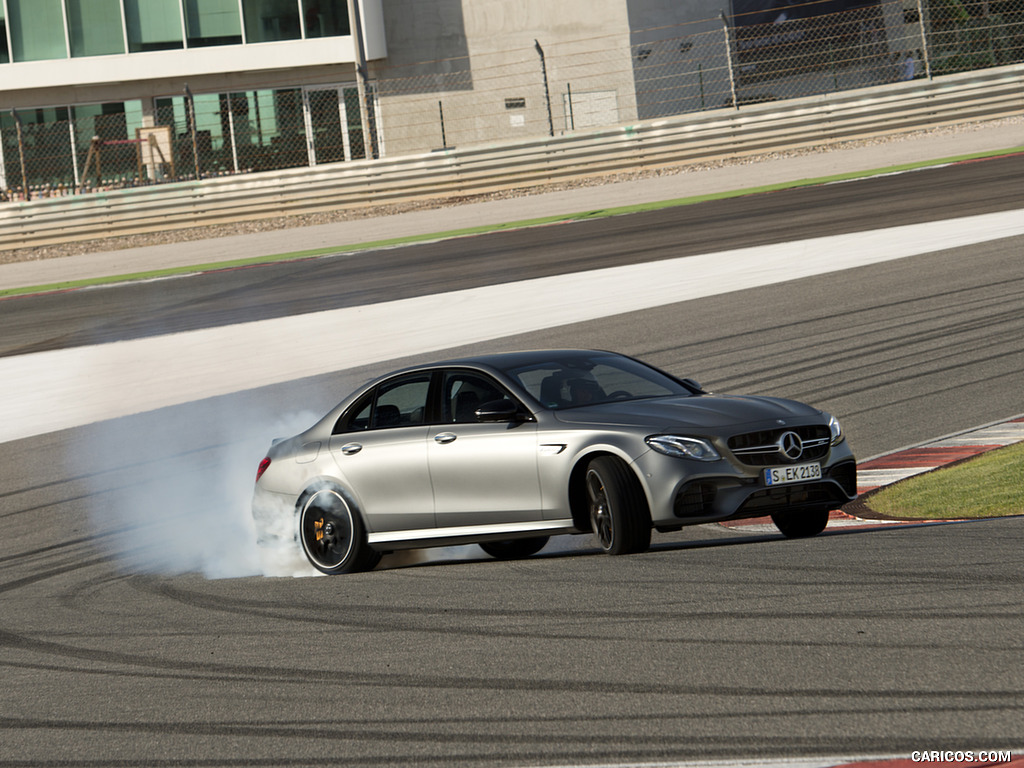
(884, 470)
(908, 462)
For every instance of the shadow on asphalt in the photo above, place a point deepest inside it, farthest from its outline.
(463, 555)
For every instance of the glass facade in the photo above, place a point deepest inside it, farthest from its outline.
(47, 151)
(45, 143)
(94, 27)
(237, 132)
(5, 55)
(37, 30)
(325, 18)
(153, 25)
(270, 20)
(212, 22)
(58, 29)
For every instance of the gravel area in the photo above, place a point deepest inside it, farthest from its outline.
(346, 214)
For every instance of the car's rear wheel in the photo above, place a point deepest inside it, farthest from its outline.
(514, 549)
(332, 534)
(800, 525)
(618, 509)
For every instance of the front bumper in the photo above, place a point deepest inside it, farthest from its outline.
(688, 492)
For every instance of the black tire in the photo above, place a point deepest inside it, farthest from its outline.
(617, 507)
(332, 534)
(800, 525)
(514, 549)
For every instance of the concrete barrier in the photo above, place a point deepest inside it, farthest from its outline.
(693, 138)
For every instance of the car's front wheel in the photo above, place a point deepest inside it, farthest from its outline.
(514, 549)
(618, 509)
(800, 525)
(332, 534)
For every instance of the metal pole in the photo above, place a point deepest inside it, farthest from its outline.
(3, 170)
(362, 81)
(572, 117)
(190, 109)
(21, 154)
(924, 40)
(440, 110)
(88, 162)
(547, 92)
(231, 128)
(74, 150)
(728, 53)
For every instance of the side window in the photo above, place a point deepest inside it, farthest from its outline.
(357, 417)
(465, 391)
(361, 414)
(400, 402)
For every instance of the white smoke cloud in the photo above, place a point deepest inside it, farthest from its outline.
(177, 495)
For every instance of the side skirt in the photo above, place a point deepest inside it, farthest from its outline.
(468, 534)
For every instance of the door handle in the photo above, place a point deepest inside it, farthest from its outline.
(350, 449)
(445, 437)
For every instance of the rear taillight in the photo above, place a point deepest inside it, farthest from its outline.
(262, 468)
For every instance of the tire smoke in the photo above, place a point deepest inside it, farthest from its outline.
(174, 490)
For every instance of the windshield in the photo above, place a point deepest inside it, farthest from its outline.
(580, 380)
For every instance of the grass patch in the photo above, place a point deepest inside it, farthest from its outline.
(989, 485)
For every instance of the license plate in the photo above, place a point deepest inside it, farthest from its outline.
(798, 473)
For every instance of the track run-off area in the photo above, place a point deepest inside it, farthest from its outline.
(141, 628)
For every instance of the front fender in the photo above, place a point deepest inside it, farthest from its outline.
(564, 457)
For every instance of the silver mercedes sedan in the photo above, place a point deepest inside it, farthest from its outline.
(506, 450)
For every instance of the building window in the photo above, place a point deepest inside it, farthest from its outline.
(45, 147)
(94, 27)
(270, 20)
(277, 130)
(37, 30)
(212, 22)
(325, 18)
(153, 25)
(211, 138)
(5, 55)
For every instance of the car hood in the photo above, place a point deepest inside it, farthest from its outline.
(698, 411)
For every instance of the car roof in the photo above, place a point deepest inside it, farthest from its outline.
(505, 360)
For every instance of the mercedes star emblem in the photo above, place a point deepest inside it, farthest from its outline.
(791, 446)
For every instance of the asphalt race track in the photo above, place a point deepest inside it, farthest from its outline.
(147, 308)
(134, 631)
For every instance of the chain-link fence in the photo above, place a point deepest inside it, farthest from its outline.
(548, 88)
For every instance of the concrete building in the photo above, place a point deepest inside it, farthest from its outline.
(97, 89)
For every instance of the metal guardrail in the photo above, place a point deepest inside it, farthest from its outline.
(976, 96)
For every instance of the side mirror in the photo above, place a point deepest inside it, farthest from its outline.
(692, 385)
(498, 410)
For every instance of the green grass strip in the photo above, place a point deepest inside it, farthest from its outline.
(486, 229)
(989, 485)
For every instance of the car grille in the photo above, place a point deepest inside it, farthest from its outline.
(792, 497)
(761, 449)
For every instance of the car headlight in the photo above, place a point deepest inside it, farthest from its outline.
(836, 429)
(683, 447)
